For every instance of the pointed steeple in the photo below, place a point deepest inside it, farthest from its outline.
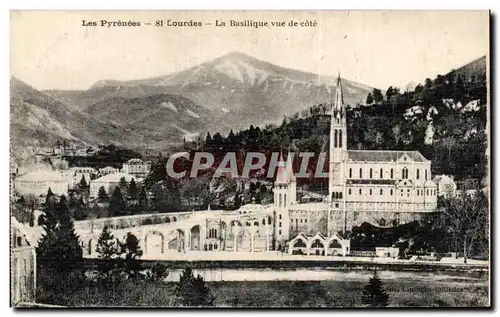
(285, 170)
(281, 176)
(339, 96)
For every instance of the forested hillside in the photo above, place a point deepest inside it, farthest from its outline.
(445, 119)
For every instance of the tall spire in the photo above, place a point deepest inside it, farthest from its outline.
(285, 170)
(281, 175)
(339, 96)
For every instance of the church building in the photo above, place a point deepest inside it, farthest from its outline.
(384, 188)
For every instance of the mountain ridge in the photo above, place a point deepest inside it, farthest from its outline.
(232, 91)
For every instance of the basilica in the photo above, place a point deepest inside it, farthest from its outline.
(383, 188)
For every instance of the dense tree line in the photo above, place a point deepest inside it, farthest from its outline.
(461, 226)
(107, 155)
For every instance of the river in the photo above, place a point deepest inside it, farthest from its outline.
(322, 274)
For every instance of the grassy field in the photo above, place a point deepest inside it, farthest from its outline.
(457, 292)
(347, 294)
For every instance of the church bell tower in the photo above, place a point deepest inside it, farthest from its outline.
(338, 150)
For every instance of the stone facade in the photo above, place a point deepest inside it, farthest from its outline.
(23, 265)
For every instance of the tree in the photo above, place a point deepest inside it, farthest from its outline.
(132, 189)
(369, 99)
(143, 199)
(107, 247)
(80, 210)
(72, 253)
(116, 203)
(158, 272)
(108, 250)
(123, 185)
(132, 252)
(59, 248)
(377, 95)
(83, 182)
(102, 193)
(396, 131)
(374, 294)
(50, 200)
(466, 220)
(208, 139)
(192, 291)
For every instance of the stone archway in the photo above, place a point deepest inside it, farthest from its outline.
(154, 243)
(223, 235)
(334, 247)
(334, 244)
(195, 238)
(181, 240)
(317, 247)
(236, 231)
(298, 245)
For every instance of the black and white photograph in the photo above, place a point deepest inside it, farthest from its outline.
(250, 159)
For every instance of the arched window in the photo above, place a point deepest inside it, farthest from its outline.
(340, 138)
(392, 173)
(381, 191)
(392, 192)
(317, 244)
(360, 173)
(418, 173)
(371, 173)
(350, 173)
(370, 191)
(349, 191)
(299, 244)
(335, 139)
(360, 191)
(381, 173)
(425, 174)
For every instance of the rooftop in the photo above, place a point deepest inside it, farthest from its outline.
(42, 175)
(384, 155)
(116, 177)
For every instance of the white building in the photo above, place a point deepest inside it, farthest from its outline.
(136, 167)
(446, 186)
(107, 170)
(38, 183)
(75, 175)
(109, 182)
(23, 264)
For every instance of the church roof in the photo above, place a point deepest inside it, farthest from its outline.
(384, 155)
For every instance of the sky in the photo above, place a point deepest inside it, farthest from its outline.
(52, 50)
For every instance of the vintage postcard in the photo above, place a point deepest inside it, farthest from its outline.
(333, 159)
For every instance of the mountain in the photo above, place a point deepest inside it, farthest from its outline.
(37, 119)
(476, 68)
(235, 88)
(160, 118)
